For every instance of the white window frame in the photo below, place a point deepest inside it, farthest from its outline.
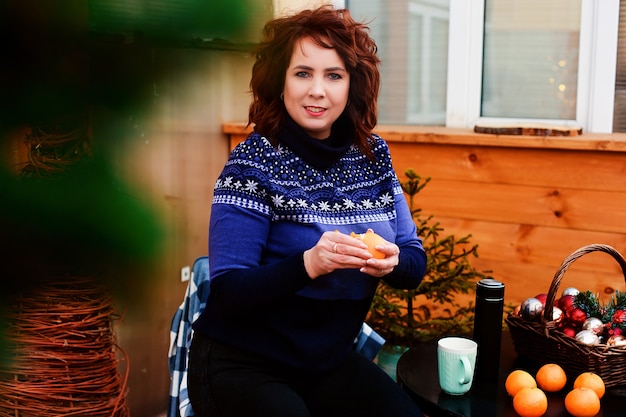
(428, 13)
(596, 67)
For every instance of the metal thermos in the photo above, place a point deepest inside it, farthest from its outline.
(488, 328)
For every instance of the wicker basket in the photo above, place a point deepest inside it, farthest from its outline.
(540, 341)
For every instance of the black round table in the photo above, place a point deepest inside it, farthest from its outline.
(417, 374)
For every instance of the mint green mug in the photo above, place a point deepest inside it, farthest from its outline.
(456, 358)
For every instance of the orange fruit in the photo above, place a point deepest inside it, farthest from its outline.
(592, 381)
(551, 377)
(517, 380)
(371, 239)
(582, 402)
(530, 402)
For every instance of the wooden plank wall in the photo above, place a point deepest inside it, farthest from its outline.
(527, 209)
(527, 202)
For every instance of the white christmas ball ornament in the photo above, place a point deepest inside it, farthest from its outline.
(594, 324)
(616, 340)
(557, 315)
(587, 337)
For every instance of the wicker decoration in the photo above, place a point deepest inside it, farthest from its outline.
(55, 149)
(63, 354)
(540, 341)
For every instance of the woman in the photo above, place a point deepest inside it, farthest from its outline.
(290, 287)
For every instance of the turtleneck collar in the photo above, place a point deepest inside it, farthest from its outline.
(319, 153)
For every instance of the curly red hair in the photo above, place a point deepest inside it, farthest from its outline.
(329, 28)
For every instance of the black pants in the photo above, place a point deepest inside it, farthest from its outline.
(227, 382)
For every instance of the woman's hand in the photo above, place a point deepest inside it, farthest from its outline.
(336, 250)
(381, 267)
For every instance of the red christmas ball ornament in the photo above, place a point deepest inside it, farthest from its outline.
(565, 302)
(541, 297)
(569, 331)
(619, 317)
(576, 316)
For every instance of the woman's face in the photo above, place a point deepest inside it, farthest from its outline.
(316, 87)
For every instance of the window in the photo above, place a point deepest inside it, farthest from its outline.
(412, 39)
(530, 59)
(460, 62)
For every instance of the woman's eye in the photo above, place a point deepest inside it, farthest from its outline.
(301, 74)
(335, 76)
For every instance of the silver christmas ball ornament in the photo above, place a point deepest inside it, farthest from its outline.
(594, 324)
(570, 291)
(587, 337)
(531, 308)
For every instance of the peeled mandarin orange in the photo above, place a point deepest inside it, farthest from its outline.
(551, 377)
(530, 402)
(371, 239)
(592, 381)
(517, 380)
(582, 402)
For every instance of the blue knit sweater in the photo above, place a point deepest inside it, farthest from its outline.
(270, 206)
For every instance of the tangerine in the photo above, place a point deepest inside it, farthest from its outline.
(530, 402)
(591, 380)
(371, 239)
(551, 377)
(517, 380)
(582, 402)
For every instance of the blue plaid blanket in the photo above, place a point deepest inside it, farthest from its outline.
(368, 342)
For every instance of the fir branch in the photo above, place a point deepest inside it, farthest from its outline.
(618, 301)
(590, 304)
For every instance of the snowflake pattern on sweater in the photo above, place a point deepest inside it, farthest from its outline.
(278, 183)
